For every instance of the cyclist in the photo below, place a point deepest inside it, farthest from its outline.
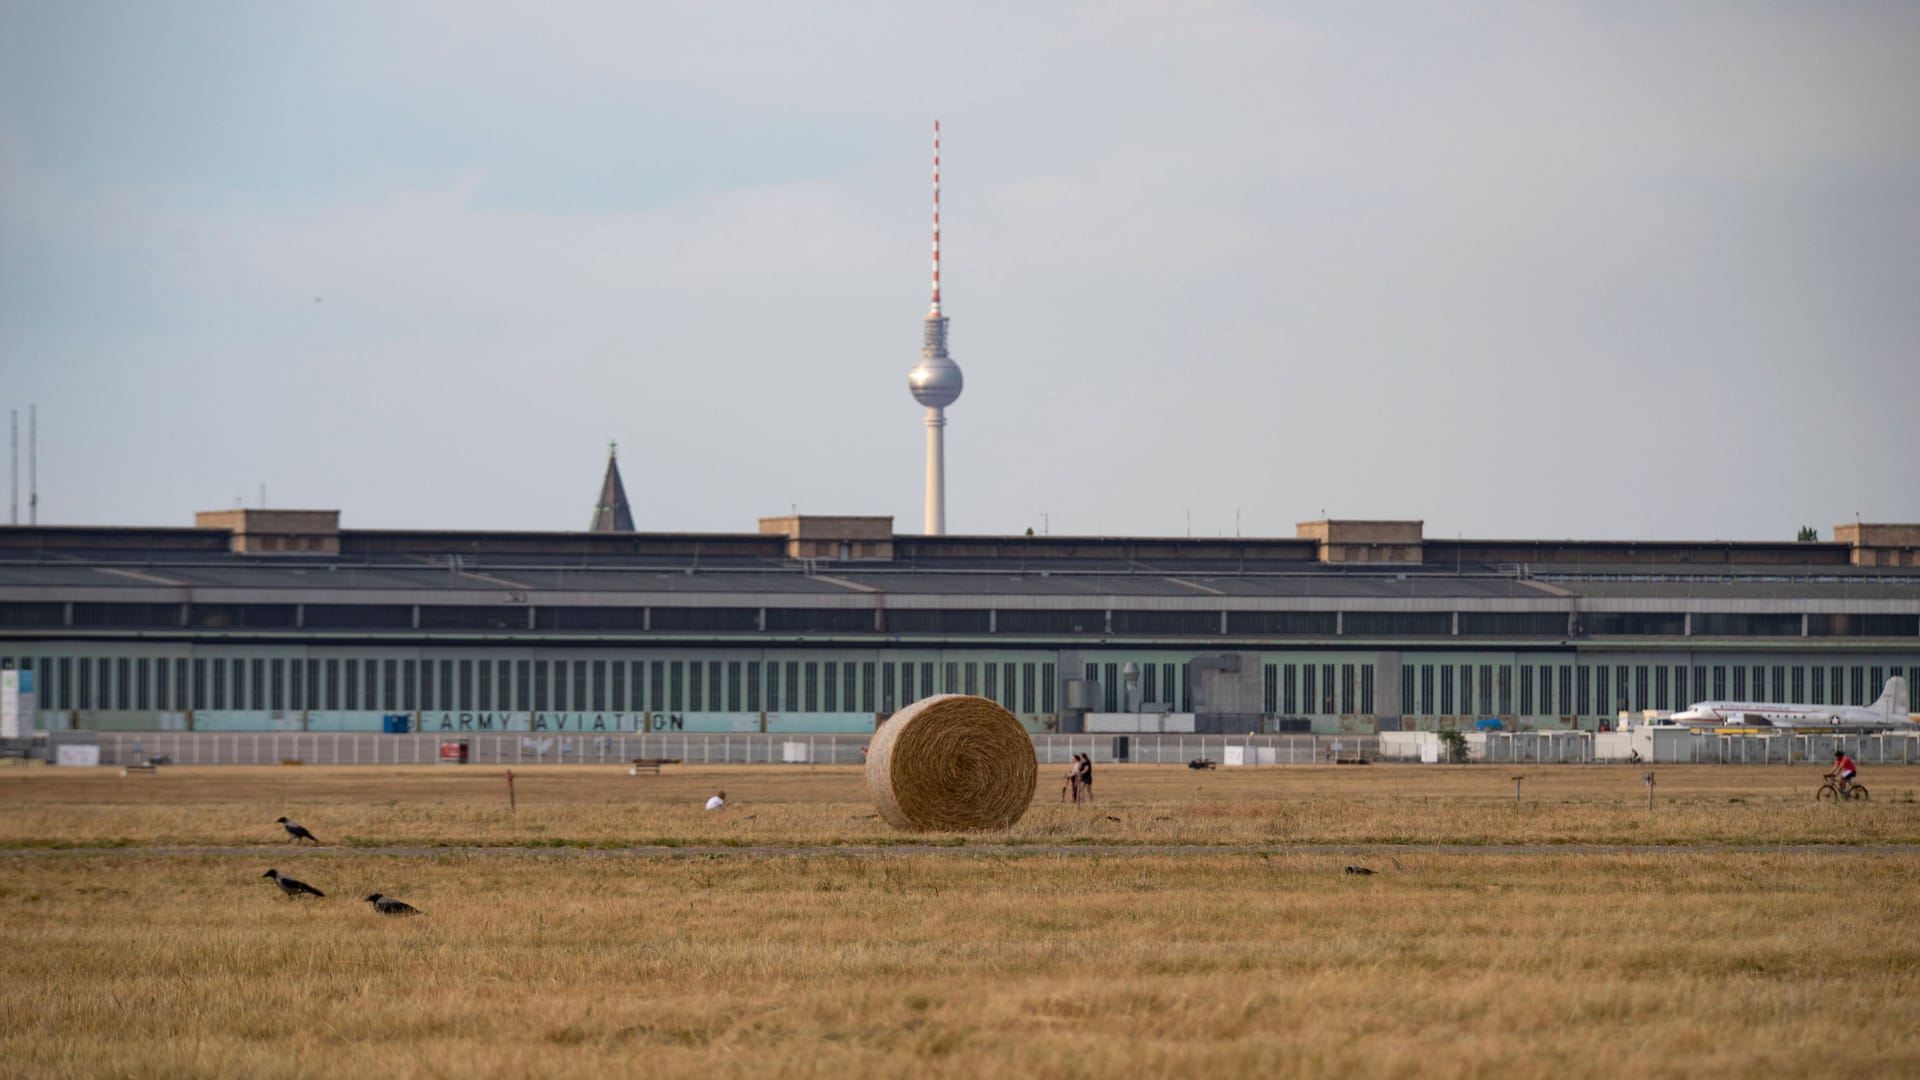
(1843, 770)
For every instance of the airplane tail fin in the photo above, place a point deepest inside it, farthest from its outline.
(1893, 702)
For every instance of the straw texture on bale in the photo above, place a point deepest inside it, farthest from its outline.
(951, 762)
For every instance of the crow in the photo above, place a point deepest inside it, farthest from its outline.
(387, 905)
(1358, 870)
(290, 886)
(296, 831)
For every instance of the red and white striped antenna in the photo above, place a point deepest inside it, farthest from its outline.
(936, 217)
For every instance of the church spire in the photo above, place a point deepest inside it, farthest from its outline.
(611, 513)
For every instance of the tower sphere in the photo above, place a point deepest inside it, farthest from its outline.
(935, 381)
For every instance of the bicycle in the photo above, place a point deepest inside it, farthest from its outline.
(1831, 792)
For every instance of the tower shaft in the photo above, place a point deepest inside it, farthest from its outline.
(936, 472)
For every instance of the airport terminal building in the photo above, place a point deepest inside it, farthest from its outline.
(280, 620)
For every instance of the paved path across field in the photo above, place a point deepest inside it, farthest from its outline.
(858, 851)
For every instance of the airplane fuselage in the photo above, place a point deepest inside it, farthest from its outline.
(1889, 713)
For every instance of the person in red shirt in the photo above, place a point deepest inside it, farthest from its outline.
(1843, 769)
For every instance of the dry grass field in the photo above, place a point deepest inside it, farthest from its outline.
(579, 806)
(1012, 955)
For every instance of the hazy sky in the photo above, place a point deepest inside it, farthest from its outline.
(1608, 270)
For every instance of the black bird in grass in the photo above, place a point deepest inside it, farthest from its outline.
(1358, 870)
(291, 887)
(387, 905)
(296, 831)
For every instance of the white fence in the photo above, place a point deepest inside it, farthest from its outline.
(520, 748)
(1662, 746)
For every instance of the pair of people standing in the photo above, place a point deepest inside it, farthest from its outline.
(1079, 779)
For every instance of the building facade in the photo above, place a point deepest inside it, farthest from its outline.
(277, 622)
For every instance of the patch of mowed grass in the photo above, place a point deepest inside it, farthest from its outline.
(1145, 806)
(955, 964)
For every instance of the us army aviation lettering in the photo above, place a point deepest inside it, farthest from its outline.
(546, 721)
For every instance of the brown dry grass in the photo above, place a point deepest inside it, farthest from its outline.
(786, 805)
(1040, 962)
(962, 965)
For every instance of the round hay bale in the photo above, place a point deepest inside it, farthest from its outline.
(952, 761)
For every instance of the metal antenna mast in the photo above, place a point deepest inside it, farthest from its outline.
(33, 464)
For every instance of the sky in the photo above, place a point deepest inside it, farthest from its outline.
(1610, 270)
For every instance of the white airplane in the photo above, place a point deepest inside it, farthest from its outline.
(1887, 713)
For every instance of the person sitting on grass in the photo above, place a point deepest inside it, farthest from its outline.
(718, 801)
(1843, 771)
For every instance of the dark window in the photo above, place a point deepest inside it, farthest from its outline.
(39, 615)
(472, 617)
(657, 686)
(1833, 625)
(1309, 699)
(240, 616)
(1274, 623)
(830, 701)
(676, 687)
(819, 620)
(1506, 624)
(590, 618)
(599, 686)
(1634, 623)
(578, 702)
(123, 680)
(542, 689)
(1046, 687)
(1746, 625)
(753, 686)
(733, 686)
(1166, 622)
(358, 616)
(1270, 688)
(483, 688)
(131, 616)
(1397, 623)
(1012, 621)
(737, 620)
(932, 621)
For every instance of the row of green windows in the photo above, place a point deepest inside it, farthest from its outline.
(170, 684)
(1324, 689)
(1604, 689)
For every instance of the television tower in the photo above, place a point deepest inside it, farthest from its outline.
(935, 380)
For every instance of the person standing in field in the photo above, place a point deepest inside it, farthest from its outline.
(1086, 776)
(718, 801)
(1071, 784)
